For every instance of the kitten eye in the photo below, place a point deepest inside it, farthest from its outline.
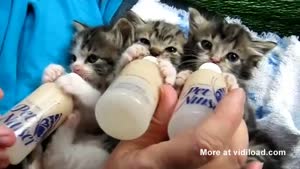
(145, 41)
(171, 49)
(73, 57)
(207, 45)
(92, 58)
(232, 57)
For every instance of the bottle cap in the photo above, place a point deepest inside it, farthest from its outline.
(211, 66)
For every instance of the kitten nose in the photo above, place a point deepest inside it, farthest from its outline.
(155, 52)
(215, 59)
(76, 69)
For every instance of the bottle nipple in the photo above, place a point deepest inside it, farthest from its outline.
(211, 66)
(151, 58)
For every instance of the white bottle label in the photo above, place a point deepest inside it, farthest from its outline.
(20, 119)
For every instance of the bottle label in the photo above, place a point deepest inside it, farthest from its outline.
(203, 95)
(21, 118)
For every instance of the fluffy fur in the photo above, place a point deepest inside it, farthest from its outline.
(159, 39)
(79, 143)
(233, 49)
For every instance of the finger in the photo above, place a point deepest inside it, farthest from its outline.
(4, 162)
(184, 150)
(224, 162)
(157, 131)
(240, 142)
(255, 165)
(217, 131)
(164, 111)
(7, 137)
(1, 93)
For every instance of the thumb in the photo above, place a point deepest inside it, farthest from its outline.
(1, 93)
(7, 137)
(157, 130)
(214, 133)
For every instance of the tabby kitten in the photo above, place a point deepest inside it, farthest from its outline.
(233, 49)
(79, 143)
(159, 39)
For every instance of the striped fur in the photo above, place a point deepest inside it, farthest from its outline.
(233, 49)
(161, 37)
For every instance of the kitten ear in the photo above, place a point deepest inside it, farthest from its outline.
(79, 26)
(134, 18)
(196, 20)
(263, 47)
(124, 31)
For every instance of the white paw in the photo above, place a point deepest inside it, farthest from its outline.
(73, 120)
(231, 81)
(182, 77)
(52, 72)
(135, 51)
(168, 71)
(71, 83)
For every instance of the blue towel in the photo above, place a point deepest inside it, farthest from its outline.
(35, 33)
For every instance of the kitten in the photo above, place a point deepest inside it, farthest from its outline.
(159, 39)
(79, 143)
(95, 53)
(233, 49)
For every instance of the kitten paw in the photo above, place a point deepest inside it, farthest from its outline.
(135, 51)
(73, 120)
(52, 73)
(231, 81)
(71, 83)
(168, 71)
(182, 77)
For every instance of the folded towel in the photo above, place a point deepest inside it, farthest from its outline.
(275, 90)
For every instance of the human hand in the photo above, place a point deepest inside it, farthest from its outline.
(223, 130)
(7, 139)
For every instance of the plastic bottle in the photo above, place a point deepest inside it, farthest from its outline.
(125, 110)
(34, 118)
(199, 97)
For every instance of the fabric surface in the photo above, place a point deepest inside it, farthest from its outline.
(275, 90)
(278, 16)
(35, 33)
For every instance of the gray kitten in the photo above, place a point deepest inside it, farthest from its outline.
(159, 39)
(233, 49)
(79, 143)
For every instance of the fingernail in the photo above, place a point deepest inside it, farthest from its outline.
(4, 131)
(259, 165)
(255, 165)
(6, 140)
